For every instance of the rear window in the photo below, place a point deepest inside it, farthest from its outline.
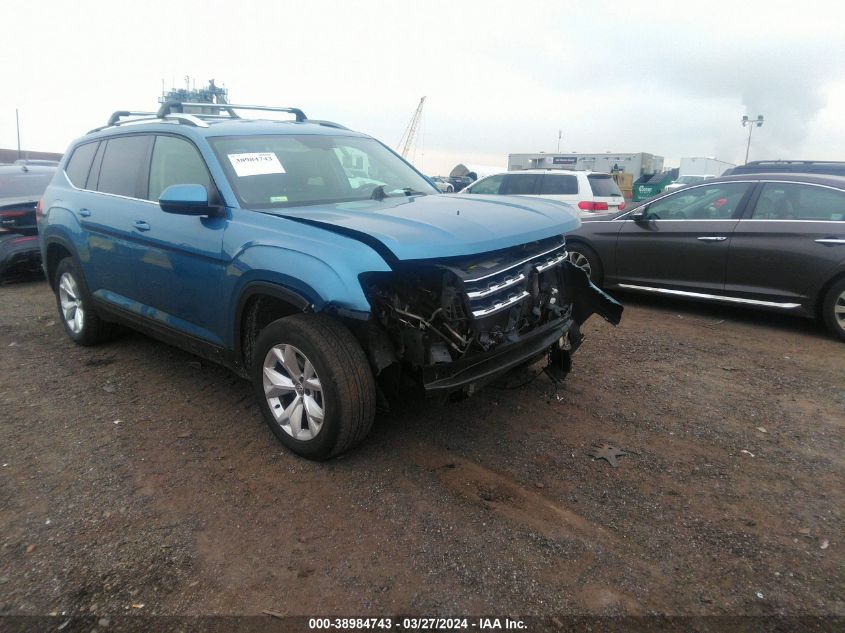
(788, 201)
(79, 164)
(603, 186)
(24, 184)
(122, 168)
(559, 185)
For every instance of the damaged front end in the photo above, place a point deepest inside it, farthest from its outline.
(452, 325)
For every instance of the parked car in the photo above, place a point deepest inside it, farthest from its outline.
(460, 182)
(774, 241)
(21, 186)
(246, 242)
(829, 167)
(590, 192)
(442, 184)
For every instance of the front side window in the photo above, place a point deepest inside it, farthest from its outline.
(289, 170)
(122, 169)
(489, 186)
(787, 201)
(714, 202)
(559, 185)
(175, 161)
(520, 184)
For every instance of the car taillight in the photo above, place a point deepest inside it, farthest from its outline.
(586, 205)
(39, 208)
(621, 206)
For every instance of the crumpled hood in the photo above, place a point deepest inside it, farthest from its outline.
(436, 226)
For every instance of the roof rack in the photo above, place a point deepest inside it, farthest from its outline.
(174, 112)
(170, 107)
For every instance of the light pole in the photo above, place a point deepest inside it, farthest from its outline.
(559, 136)
(750, 123)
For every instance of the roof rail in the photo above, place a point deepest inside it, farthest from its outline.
(115, 118)
(170, 107)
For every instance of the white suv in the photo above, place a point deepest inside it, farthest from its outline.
(590, 192)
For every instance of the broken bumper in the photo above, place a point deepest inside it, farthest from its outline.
(586, 300)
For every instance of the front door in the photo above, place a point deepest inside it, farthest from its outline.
(681, 243)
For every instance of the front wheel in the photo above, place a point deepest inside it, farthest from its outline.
(314, 385)
(833, 309)
(587, 260)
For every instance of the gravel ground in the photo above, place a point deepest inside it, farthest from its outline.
(136, 479)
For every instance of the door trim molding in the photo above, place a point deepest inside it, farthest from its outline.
(701, 295)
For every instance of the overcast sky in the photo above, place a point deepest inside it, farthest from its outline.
(670, 78)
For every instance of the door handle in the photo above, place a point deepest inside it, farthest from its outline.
(831, 240)
(713, 238)
(85, 213)
(142, 226)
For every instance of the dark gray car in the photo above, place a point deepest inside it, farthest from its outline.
(774, 241)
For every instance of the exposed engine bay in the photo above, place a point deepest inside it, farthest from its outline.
(441, 318)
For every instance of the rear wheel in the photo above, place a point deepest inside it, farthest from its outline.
(76, 308)
(314, 385)
(587, 260)
(833, 309)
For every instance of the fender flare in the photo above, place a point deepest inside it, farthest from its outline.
(262, 288)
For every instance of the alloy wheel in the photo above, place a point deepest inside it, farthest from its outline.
(839, 309)
(293, 391)
(71, 302)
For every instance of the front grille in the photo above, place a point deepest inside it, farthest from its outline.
(508, 285)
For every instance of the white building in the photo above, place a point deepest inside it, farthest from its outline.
(636, 164)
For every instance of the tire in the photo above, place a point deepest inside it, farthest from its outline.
(833, 309)
(583, 256)
(76, 308)
(346, 397)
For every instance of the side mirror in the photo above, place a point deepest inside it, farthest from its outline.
(639, 215)
(186, 200)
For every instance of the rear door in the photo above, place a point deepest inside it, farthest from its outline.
(118, 174)
(788, 244)
(682, 241)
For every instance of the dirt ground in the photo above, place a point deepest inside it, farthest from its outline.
(135, 478)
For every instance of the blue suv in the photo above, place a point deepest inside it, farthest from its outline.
(310, 259)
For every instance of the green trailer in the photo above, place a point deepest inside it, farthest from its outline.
(651, 185)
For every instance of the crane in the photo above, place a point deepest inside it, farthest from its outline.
(407, 140)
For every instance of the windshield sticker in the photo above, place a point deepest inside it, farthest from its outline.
(278, 198)
(256, 164)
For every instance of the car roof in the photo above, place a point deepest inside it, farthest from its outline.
(814, 178)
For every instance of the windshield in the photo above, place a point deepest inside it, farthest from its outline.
(271, 171)
(689, 180)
